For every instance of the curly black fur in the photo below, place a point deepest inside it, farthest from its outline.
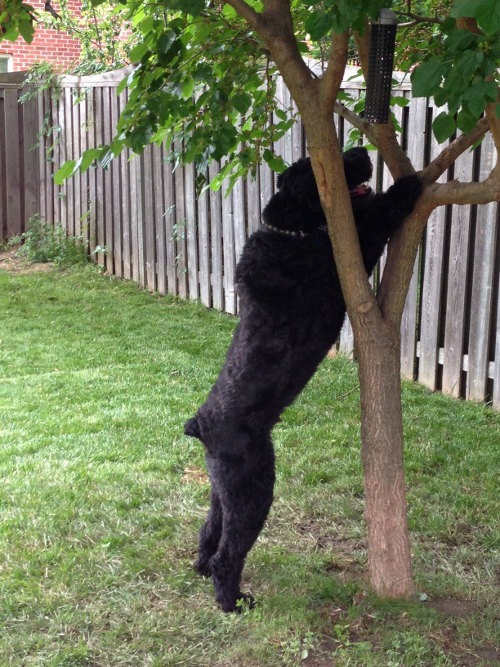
(291, 313)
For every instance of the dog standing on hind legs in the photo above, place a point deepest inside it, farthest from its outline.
(291, 313)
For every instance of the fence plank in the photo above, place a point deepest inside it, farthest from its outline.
(100, 192)
(204, 247)
(126, 202)
(158, 212)
(180, 234)
(84, 178)
(228, 249)
(69, 199)
(417, 123)
(140, 249)
(457, 290)
(254, 214)
(496, 372)
(191, 231)
(239, 218)
(13, 181)
(56, 154)
(149, 223)
(482, 284)
(216, 242)
(169, 218)
(432, 281)
(115, 226)
(30, 159)
(3, 169)
(431, 299)
(266, 184)
(107, 208)
(297, 137)
(75, 129)
(92, 186)
(135, 216)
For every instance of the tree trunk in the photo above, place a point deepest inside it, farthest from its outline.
(389, 559)
(377, 343)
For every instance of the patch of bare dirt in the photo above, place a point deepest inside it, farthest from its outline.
(452, 608)
(17, 265)
(195, 474)
(484, 657)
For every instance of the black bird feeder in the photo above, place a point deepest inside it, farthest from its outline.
(381, 61)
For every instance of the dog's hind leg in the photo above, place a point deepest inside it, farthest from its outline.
(210, 534)
(245, 489)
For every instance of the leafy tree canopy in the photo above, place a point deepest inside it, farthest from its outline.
(16, 20)
(201, 77)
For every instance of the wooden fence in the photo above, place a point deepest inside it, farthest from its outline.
(144, 222)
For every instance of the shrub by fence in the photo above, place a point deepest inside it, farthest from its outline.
(145, 222)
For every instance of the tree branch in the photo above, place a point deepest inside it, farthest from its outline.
(417, 18)
(355, 120)
(398, 271)
(245, 11)
(332, 78)
(449, 154)
(465, 23)
(455, 192)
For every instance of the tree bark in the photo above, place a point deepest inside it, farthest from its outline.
(377, 343)
(389, 558)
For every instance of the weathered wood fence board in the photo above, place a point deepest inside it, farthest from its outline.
(19, 183)
(145, 222)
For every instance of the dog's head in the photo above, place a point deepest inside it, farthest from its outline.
(357, 166)
(296, 205)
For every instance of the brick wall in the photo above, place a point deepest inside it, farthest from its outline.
(48, 44)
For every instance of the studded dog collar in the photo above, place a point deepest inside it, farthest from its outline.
(355, 192)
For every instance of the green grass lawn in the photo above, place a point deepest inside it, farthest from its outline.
(102, 496)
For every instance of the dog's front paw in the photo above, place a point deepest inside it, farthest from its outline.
(192, 428)
(202, 567)
(238, 604)
(407, 189)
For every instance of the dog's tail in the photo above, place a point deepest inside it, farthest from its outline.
(192, 428)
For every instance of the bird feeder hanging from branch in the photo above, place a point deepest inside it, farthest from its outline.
(380, 67)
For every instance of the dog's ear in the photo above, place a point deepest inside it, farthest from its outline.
(357, 166)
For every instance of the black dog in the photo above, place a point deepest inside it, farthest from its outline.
(291, 313)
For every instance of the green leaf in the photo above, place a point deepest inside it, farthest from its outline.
(126, 81)
(466, 121)
(443, 126)
(27, 31)
(318, 24)
(282, 115)
(241, 102)
(88, 157)
(427, 77)
(400, 101)
(464, 8)
(467, 63)
(64, 172)
(166, 40)
(224, 141)
(229, 12)
(138, 52)
(274, 161)
(187, 88)
(477, 96)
